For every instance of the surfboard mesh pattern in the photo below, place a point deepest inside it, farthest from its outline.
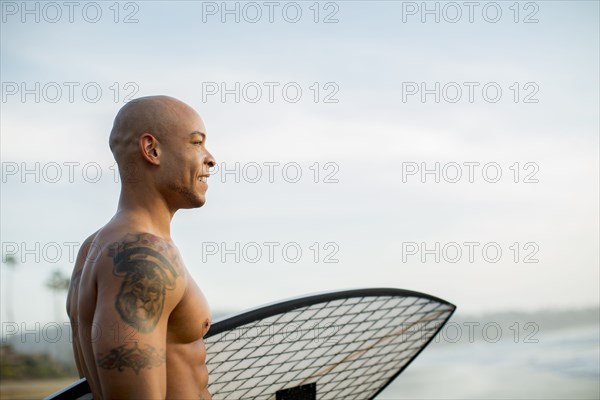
(349, 347)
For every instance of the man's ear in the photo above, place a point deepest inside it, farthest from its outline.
(149, 148)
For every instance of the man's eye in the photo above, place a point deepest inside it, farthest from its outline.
(199, 142)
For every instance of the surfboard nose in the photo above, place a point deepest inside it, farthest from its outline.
(328, 346)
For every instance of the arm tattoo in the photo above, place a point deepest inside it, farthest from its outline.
(147, 275)
(132, 357)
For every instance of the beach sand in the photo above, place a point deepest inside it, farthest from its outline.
(32, 389)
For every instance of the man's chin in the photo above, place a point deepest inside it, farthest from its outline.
(188, 198)
(197, 202)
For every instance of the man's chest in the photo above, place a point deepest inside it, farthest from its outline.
(191, 318)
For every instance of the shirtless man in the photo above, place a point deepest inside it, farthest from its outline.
(138, 317)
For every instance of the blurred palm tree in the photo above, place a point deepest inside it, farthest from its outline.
(11, 263)
(57, 282)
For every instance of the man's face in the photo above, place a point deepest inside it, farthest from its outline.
(188, 161)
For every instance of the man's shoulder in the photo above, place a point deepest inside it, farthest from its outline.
(122, 252)
(117, 243)
(105, 240)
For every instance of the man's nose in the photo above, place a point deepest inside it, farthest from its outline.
(210, 161)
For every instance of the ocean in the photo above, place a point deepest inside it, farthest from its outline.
(562, 364)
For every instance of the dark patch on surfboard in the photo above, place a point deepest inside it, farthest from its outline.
(302, 392)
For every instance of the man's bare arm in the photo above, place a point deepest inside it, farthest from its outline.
(133, 305)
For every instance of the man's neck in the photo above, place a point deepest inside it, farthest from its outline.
(147, 213)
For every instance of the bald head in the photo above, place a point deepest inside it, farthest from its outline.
(156, 115)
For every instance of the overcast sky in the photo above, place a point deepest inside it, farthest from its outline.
(334, 124)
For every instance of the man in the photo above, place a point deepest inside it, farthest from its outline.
(138, 317)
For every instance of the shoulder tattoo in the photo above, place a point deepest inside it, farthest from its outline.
(147, 274)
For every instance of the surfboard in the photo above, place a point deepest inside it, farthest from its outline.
(333, 345)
